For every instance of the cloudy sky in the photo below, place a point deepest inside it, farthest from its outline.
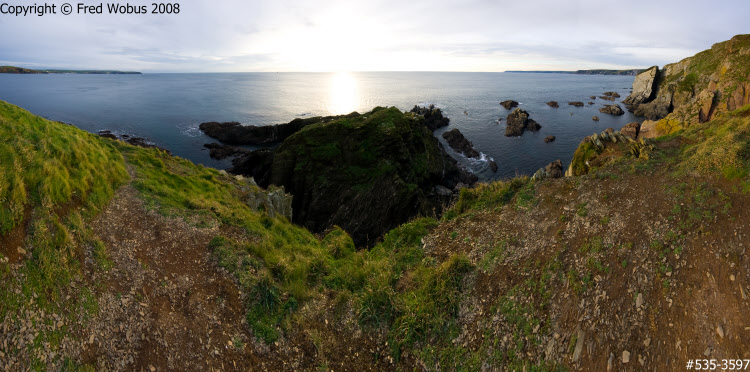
(375, 35)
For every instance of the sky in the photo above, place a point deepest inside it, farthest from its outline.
(373, 35)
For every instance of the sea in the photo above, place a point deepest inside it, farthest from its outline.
(167, 109)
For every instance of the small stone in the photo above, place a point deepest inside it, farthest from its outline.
(610, 362)
(647, 342)
(639, 301)
(21, 250)
(625, 356)
(557, 336)
(707, 352)
(579, 345)
(731, 277)
(151, 368)
(720, 331)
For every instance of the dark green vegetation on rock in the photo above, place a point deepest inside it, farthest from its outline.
(366, 173)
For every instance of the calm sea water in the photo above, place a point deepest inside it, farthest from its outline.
(167, 108)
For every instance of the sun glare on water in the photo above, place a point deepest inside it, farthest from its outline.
(343, 94)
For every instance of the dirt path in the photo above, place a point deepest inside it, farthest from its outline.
(163, 304)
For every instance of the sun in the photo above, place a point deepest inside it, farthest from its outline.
(343, 93)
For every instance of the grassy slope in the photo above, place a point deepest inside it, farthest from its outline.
(456, 293)
(55, 177)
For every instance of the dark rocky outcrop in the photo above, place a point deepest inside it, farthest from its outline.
(631, 130)
(518, 121)
(219, 151)
(607, 98)
(612, 110)
(367, 175)
(458, 142)
(135, 141)
(553, 104)
(549, 139)
(493, 166)
(509, 104)
(592, 97)
(590, 103)
(576, 103)
(612, 94)
(433, 117)
(595, 118)
(552, 170)
(256, 164)
(234, 133)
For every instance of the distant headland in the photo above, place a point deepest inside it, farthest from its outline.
(21, 70)
(631, 72)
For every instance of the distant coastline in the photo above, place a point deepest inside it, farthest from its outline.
(21, 70)
(631, 72)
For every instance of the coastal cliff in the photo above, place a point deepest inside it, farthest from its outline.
(116, 257)
(694, 90)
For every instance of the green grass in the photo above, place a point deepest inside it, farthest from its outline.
(55, 179)
(490, 196)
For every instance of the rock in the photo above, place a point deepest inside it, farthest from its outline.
(335, 173)
(257, 164)
(639, 301)
(631, 130)
(625, 357)
(612, 94)
(610, 362)
(219, 151)
(518, 121)
(509, 104)
(553, 104)
(234, 133)
(274, 201)
(648, 129)
(590, 103)
(549, 139)
(21, 251)
(443, 191)
(595, 118)
(107, 134)
(592, 97)
(643, 87)
(554, 169)
(579, 346)
(720, 331)
(647, 342)
(576, 103)
(135, 141)
(433, 117)
(612, 110)
(707, 352)
(493, 166)
(607, 98)
(656, 109)
(458, 142)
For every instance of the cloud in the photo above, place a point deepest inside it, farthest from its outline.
(330, 35)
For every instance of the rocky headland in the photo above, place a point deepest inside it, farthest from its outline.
(694, 90)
